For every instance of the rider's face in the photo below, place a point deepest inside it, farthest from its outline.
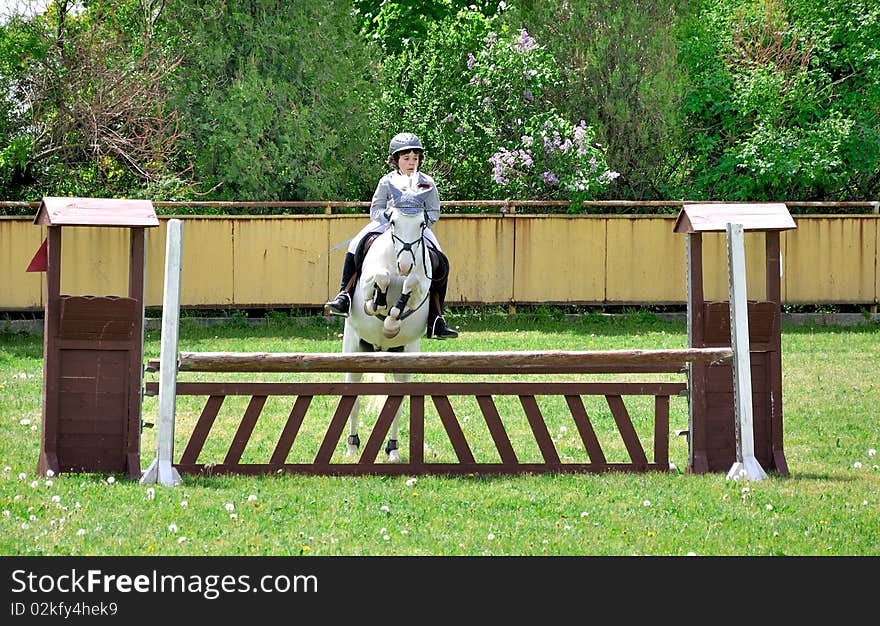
(408, 162)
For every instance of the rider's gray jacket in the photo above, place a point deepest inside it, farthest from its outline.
(410, 194)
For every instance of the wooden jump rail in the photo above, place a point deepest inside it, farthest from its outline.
(467, 363)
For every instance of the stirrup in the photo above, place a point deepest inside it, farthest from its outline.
(341, 305)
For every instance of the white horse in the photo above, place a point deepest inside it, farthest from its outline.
(394, 270)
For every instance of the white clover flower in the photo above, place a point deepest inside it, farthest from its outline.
(252, 497)
(22, 476)
(111, 480)
(646, 503)
(775, 533)
(233, 516)
(384, 508)
(49, 473)
(857, 465)
(411, 481)
(35, 483)
(8, 469)
(32, 517)
(386, 537)
(229, 506)
(81, 532)
(872, 452)
(6, 513)
(172, 528)
(692, 553)
(56, 498)
(769, 507)
(24, 421)
(184, 503)
(48, 483)
(151, 493)
(181, 539)
(585, 513)
(490, 536)
(25, 525)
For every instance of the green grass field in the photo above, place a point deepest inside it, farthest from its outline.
(829, 505)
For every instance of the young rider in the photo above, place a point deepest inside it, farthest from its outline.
(408, 188)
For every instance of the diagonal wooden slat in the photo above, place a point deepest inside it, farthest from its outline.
(343, 410)
(539, 429)
(450, 423)
(416, 430)
(291, 428)
(203, 427)
(627, 431)
(496, 429)
(585, 428)
(245, 429)
(383, 423)
(661, 430)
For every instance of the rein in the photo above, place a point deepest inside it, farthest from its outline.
(407, 246)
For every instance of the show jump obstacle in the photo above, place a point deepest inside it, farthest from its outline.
(101, 347)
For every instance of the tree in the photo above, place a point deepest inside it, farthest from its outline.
(85, 108)
(273, 98)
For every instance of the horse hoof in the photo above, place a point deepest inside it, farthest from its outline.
(394, 456)
(351, 451)
(390, 328)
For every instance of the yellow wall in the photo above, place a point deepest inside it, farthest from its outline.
(19, 241)
(496, 259)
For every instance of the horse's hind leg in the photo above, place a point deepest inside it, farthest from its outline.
(353, 442)
(351, 344)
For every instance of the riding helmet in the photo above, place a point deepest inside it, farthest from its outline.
(404, 141)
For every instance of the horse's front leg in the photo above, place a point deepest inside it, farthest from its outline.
(391, 326)
(376, 293)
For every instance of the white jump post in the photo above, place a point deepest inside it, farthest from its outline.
(746, 465)
(162, 470)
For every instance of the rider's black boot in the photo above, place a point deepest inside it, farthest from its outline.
(437, 327)
(341, 304)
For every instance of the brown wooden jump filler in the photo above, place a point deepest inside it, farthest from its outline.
(469, 363)
(92, 347)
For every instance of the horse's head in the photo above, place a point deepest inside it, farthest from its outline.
(407, 230)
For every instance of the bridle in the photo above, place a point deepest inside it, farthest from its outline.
(408, 247)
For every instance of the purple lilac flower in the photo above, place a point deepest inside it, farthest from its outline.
(471, 60)
(525, 41)
(550, 178)
(527, 94)
(606, 177)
